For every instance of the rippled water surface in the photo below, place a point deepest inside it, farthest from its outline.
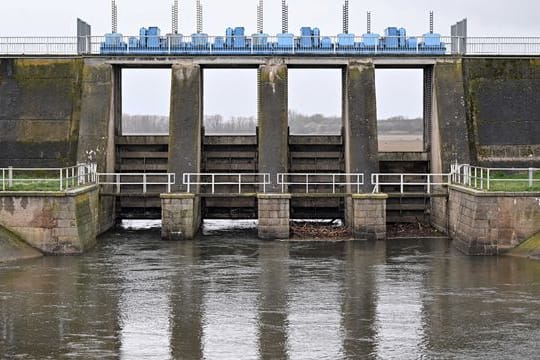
(228, 296)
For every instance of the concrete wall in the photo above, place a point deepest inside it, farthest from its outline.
(14, 248)
(503, 104)
(490, 223)
(40, 103)
(366, 215)
(56, 223)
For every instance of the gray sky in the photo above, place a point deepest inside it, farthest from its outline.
(486, 18)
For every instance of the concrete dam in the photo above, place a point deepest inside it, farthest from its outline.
(56, 111)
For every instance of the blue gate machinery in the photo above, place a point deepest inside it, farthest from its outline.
(236, 42)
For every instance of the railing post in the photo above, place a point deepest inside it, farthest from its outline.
(188, 177)
(144, 183)
(10, 177)
(481, 178)
(118, 183)
(488, 178)
(239, 183)
(61, 180)
(402, 181)
(307, 183)
(429, 183)
(213, 183)
(333, 183)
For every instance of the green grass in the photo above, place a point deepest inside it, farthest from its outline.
(511, 182)
(37, 182)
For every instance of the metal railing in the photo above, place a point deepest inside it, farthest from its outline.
(268, 45)
(47, 179)
(118, 180)
(305, 180)
(407, 180)
(240, 180)
(496, 179)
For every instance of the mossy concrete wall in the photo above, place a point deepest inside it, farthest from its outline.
(450, 133)
(503, 110)
(273, 121)
(56, 223)
(40, 104)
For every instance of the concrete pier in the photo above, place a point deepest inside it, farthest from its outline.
(185, 121)
(360, 120)
(273, 121)
(367, 216)
(274, 213)
(181, 216)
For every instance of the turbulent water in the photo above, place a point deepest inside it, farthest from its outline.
(229, 296)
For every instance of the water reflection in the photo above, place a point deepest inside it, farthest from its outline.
(136, 297)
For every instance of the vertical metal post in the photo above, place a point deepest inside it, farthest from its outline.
(239, 183)
(3, 179)
(481, 178)
(169, 177)
(358, 183)
(333, 183)
(307, 183)
(488, 178)
(213, 183)
(10, 176)
(475, 177)
(429, 183)
(144, 183)
(61, 180)
(118, 183)
(188, 181)
(402, 177)
(531, 177)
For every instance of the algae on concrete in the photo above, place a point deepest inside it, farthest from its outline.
(529, 248)
(13, 248)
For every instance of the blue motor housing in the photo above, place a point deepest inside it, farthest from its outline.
(345, 40)
(285, 41)
(371, 40)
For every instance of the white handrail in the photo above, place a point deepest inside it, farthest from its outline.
(409, 179)
(240, 179)
(306, 179)
(66, 177)
(483, 178)
(118, 181)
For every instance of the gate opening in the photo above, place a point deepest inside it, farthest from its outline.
(146, 98)
(315, 101)
(230, 101)
(400, 109)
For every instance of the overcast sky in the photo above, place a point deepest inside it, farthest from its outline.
(314, 94)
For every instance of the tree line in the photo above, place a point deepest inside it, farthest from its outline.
(298, 124)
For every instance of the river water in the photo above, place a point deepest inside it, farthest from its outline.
(230, 296)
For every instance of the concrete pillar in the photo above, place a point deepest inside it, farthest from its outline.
(274, 213)
(273, 122)
(185, 121)
(368, 216)
(360, 121)
(181, 216)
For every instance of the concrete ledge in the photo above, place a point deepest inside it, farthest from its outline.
(178, 196)
(377, 196)
(63, 193)
(274, 196)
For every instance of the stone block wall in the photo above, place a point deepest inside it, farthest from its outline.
(56, 223)
(274, 214)
(482, 223)
(181, 216)
(368, 218)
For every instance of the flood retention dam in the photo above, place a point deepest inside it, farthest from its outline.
(57, 111)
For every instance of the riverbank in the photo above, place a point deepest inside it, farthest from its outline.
(529, 249)
(12, 248)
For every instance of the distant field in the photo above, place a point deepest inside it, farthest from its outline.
(400, 143)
